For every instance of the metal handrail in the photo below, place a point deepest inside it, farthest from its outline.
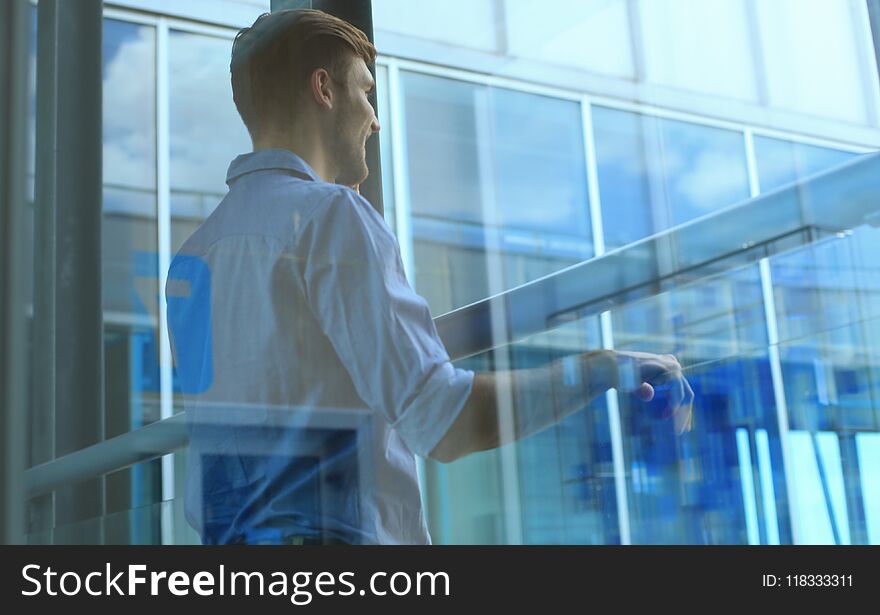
(839, 199)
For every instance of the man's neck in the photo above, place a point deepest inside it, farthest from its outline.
(305, 144)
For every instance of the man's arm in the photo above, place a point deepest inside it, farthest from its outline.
(543, 396)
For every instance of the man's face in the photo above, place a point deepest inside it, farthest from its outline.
(355, 122)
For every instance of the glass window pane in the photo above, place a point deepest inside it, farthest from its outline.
(206, 130)
(827, 315)
(538, 155)
(624, 180)
(496, 175)
(781, 162)
(130, 246)
(657, 173)
(828, 319)
(497, 187)
(565, 476)
(449, 276)
(442, 157)
(704, 169)
(690, 490)
(130, 231)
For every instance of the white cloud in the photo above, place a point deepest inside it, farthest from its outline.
(206, 130)
(712, 178)
(129, 113)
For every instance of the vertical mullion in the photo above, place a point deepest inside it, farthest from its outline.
(637, 44)
(867, 42)
(163, 214)
(403, 222)
(778, 389)
(751, 163)
(607, 335)
(758, 55)
(592, 170)
(400, 171)
(773, 345)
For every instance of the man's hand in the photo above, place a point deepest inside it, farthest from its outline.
(543, 396)
(640, 372)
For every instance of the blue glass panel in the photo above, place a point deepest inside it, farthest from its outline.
(656, 173)
(540, 177)
(497, 187)
(129, 158)
(827, 312)
(623, 177)
(704, 169)
(442, 157)
(781, 162)
(692, 489)
(130, 284)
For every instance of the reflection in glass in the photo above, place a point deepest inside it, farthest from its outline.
(206, 130)
(130, 246)
(781, 162)
(442, 154)
(133, 516)
(829, 325)
(497, 186)
(129, 234)
(656, 173)
(564, 474)
(498, 193)
(691, 490)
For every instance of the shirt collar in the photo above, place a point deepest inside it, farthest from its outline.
(268, 159)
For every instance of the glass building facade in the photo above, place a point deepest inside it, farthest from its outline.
(519, 139)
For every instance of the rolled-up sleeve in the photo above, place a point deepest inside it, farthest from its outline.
(380, 328)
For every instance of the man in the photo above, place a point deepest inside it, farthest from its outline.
(312, 372)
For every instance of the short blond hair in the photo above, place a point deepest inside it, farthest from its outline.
(273, 59)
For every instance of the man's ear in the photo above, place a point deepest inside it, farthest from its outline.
(320, 88)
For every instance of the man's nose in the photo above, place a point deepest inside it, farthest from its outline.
(374, 125)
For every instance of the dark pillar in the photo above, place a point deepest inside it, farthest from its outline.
(14, 45)
(68, 368)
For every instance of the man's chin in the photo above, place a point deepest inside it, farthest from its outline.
(354, 179)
